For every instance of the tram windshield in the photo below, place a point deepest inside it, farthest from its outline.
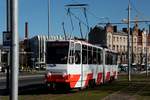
(57, 52)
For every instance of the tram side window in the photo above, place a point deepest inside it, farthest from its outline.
(107, 58)
(114, 58)
(71, 57)
(77, 53)
(99, 56)
(84, 54)
(77, 57)
(94, 56)
(111, 58)
(90, 56)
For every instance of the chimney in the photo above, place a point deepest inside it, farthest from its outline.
(115, 28)
(26, 30)
(125, 30)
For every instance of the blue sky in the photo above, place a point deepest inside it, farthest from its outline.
(35, 13)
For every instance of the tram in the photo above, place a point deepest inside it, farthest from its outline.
(79, 64)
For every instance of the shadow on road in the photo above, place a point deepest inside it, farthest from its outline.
(3, 92)
(36, 89)
(140, 85)
(41, 89)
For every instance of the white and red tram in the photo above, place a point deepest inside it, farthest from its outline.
(79, 64)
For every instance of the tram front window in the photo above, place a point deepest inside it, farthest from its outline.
(57, 52)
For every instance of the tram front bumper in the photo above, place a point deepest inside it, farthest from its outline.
(63, 78)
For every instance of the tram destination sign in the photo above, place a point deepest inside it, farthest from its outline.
(60, 44)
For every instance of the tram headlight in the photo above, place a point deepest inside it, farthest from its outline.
(64, 74)
(48, 74)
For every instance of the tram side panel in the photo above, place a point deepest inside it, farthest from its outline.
(99, 75)
(89, 70)
(99, 67)
(74, 72)
(110, 65)
(114, 66)
(92, 70)
(106, 67)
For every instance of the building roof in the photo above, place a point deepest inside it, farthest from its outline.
(120, 33)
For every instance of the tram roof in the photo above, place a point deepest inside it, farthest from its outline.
(83, 43)
(106, 49)
(77, 41)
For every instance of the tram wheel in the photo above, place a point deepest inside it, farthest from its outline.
(81, 88)
(91, 83)
(111, 79)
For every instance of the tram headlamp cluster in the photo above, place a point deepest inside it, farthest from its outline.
(64, 74)
(48, 74)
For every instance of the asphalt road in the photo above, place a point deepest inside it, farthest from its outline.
(25, 79)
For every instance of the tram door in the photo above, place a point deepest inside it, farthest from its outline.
(78, 60)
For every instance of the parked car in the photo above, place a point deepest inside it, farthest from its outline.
(123, 67)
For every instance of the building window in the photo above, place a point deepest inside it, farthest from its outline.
(120, 48)
(113, 47)
(113, 38)
(135, 48)
(117, 47)
(110, 46)
(144, 48)
(120, 38)
(117, 38)
(134, 40)
(124, 39)
(124, 48)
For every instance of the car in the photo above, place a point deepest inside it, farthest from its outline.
(123, 67)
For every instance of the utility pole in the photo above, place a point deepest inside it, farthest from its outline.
(48, 17)
(147, 35)
(146, 56)
(14, 50)
(8, 14)
(129, 50)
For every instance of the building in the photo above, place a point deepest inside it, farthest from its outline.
(98, 36)
(38, 50)
(111, 38)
